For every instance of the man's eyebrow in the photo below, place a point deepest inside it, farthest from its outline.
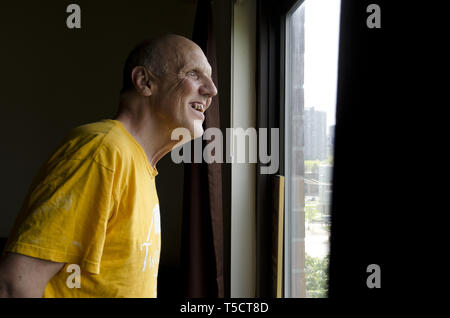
(207, 71)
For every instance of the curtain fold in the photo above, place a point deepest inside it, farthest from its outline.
(202, 245)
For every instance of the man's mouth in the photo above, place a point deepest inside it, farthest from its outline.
(198, 106)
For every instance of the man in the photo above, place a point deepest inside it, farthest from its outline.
(89, 226)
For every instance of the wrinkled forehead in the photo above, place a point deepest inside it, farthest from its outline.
(197, 61)
(191, 57)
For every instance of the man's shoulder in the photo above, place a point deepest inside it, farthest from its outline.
(100, 141)
(96, 129)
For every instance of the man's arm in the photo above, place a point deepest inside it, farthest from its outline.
(24, 276)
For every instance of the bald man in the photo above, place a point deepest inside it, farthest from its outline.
(90, 224)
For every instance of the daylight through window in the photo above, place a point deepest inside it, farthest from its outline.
(312, 36)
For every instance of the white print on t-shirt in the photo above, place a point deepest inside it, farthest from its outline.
(155, 220)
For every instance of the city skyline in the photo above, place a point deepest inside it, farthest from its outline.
(321, 56)
(315, 134)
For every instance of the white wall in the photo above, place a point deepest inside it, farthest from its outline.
(243, 178)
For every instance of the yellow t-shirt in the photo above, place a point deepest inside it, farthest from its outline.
(94, 204)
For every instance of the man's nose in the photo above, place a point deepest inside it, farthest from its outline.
(208, 88)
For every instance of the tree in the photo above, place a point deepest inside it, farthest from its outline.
(316, 272)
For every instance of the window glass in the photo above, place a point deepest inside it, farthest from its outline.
(312, 35)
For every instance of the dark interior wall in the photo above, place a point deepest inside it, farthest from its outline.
(53, 79)
(222, 13)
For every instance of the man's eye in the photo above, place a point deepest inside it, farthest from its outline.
(192, 73)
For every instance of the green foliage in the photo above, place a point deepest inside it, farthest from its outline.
(309, 164)
(314, 164)
(316, 276)
(330, 160)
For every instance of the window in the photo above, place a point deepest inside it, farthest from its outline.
(311, 59)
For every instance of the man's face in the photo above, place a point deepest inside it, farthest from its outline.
(186, 91)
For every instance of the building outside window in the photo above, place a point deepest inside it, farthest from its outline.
(312, 34)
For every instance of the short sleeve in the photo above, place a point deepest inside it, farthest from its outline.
(65, 216)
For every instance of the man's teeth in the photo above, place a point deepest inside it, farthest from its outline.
(198, 107)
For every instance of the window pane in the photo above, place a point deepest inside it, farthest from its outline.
(312, 33)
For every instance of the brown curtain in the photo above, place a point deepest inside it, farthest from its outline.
(202, 245)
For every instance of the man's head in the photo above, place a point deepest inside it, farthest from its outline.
(173, 76)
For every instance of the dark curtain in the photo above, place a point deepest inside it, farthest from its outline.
(202, 238)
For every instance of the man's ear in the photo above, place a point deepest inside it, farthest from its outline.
(142, 80)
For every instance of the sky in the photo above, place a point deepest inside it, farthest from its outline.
(321, 55)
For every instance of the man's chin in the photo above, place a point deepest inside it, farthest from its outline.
(197, 132)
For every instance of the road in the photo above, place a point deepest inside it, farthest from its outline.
(316, 240)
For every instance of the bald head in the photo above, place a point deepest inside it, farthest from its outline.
(160, 55)
(167, 85)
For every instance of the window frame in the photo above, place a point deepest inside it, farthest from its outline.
(270, 99)
(285, 45)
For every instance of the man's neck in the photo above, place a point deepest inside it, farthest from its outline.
(145, 127)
